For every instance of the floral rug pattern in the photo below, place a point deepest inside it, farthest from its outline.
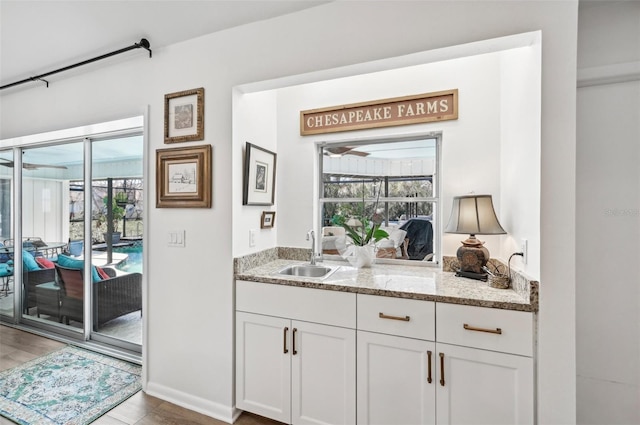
(70, 386)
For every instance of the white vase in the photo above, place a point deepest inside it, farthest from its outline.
(360, 256)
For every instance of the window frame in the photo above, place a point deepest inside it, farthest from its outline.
(435, 199)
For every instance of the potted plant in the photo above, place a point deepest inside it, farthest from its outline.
(120, 199)
(363, 232)
(117, 215)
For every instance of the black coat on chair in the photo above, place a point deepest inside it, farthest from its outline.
(420, 235)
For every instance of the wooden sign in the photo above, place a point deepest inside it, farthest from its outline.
(427, 107)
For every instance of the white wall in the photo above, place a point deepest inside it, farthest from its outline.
(189, 350)
(470, 147)
(607, 276)
(608, 215)
(520, 156)
(254, 121)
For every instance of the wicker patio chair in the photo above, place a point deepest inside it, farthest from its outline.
(31, 279)
(113, 297)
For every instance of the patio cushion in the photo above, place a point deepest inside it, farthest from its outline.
(75, 264)
(44, 263)
(102, 273)
(5, 270)
(28, 262)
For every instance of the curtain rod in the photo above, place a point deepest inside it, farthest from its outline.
(144, 44)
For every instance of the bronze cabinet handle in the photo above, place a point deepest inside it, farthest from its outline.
(285, 350)
(384, 316)
(491, 331)
(429, 367)
(293, 344)
(442, 369)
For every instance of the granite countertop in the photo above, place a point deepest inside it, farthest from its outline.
(403, 281)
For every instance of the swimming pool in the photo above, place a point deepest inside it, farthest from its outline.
(133, 263)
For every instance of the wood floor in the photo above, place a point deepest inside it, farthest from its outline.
(17, 347)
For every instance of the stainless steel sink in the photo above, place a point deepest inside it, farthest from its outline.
(307, 270)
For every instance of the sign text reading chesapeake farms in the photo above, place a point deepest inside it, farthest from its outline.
(439, 106)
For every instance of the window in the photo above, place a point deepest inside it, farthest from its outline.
(392, 182)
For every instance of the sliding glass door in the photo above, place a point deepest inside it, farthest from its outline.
(7, 290)
(117, 198)
(45, 233)
(71, 236)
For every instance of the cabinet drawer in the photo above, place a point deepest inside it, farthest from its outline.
(397, 316)
(487, 328)
(306, 304)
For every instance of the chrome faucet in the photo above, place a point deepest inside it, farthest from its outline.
(311, 235)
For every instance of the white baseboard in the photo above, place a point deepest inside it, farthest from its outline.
(218, 411)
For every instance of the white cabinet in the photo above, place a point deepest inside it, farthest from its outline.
(291, 370)
(396, 374)
(323, 374)
(301, 353)
(263, 365)
(485, 365)
(421, 362)
(410, 382)
(396, 380)
(488, 328)
(483, 387)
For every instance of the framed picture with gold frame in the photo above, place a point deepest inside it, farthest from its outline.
(184, 116)
(183, 177)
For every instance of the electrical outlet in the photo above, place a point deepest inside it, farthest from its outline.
(524, 245)
(252, 237)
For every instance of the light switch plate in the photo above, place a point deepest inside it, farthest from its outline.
(252, 237)
(176, 238)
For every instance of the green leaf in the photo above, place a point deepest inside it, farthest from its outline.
(355, 237)
(380, 234)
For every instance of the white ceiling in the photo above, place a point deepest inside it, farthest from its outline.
(41, 36)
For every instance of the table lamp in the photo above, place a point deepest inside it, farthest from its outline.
(473, 215)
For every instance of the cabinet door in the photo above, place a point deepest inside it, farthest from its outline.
(323, 374)
(483, 387)
(263, 365)
(393, 380)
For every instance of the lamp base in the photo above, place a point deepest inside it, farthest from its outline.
(472, 256)
(471, 275)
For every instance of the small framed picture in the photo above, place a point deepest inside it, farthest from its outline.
(184, 116)
(259, 176)
(267, 220)
(183, 177)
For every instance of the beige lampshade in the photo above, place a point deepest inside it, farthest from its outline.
(474, 215)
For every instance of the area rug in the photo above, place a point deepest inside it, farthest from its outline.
(70, 386)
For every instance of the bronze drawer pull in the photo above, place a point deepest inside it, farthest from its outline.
(491, 331)
(442, 369)
(285, 350)
(293, 342)
(384, 316)
(429, 367)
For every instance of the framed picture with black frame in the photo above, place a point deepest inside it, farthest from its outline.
(259, 176)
